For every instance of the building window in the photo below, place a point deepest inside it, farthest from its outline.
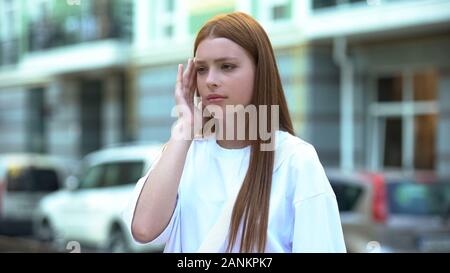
(321, 4)
(425, 141)
(390, 89)
(36, 121)
(123, 13)
(392, 142)
(404, 115)
(424, 86)
(9, 42)
(165, 18)
(279, 12)
(170, 6)
(168, 31)
(275, 11)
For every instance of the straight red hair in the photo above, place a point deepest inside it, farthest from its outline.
(251, 209)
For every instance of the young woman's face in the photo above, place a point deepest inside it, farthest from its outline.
(225, 73)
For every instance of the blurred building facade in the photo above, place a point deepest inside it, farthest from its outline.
(392, 81)
(367, 82)
(63, 78)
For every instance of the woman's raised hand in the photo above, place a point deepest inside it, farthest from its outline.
(184, 98)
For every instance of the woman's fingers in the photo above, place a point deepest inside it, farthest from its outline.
(186, 81)
(192, 75)
(187, 76)
(179, 82)
(192, 81)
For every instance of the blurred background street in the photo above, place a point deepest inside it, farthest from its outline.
(20, 245)
(86, 93)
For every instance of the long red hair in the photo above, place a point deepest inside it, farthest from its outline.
(251, 209)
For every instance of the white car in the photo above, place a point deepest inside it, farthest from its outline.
(89, 211)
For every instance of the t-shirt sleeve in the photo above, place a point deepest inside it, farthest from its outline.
(128, 213)
(317, 223)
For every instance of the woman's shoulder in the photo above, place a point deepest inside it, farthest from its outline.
(293, 151)
(302, 166)
(286, 139)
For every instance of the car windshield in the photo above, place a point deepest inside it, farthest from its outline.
(112, 174)
(33, 180)
(419, 199)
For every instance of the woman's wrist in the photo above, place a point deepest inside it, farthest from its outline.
(182, 131)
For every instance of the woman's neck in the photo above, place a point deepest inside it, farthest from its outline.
(232, 144)
(230, 138)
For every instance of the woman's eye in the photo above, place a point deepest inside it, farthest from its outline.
(201, 70)
(228, 67)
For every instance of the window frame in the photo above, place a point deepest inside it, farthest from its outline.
(407, 109)
(266, 9)
(166, 19)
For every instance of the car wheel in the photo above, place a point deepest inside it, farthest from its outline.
(117, 242)
(45, 233)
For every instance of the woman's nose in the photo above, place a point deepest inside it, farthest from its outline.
(211, 80)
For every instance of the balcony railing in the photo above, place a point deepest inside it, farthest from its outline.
(321, 4)
(325, 4)
(9, 52)
(50, 32)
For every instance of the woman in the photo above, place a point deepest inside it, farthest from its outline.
(223, 193)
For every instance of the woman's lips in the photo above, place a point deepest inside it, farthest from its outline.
(215, 98)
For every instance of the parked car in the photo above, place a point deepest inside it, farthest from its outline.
(389, 212)
(89, 211)
(24, 180)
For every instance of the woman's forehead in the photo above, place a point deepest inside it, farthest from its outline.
(218, 49)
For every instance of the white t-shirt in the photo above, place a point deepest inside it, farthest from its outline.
(303, 213)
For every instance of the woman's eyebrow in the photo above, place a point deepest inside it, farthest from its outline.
(219, 60)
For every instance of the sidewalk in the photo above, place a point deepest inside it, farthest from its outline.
(22, 245)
